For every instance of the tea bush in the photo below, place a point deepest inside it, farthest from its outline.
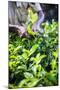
(33, 60)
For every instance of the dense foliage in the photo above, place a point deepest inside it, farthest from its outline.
(33, 60)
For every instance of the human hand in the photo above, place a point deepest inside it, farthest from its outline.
(34, 27)
(22, 31)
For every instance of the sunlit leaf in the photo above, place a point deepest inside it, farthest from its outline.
(28, 75)
(33, 49)
(17, 48)
(28, 82)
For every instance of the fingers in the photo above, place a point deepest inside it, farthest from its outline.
(34, 27)
(21, 30)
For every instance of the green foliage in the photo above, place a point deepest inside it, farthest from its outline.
(28, 83)
(33, 61)
(29, 30)
(33, 17)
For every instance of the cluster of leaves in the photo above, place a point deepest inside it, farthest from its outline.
(33, 61)
(32, 18)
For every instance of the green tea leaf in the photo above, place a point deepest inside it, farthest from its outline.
(28, 75)
(25, 56)
(17, 48)
(28, 82)
(33, 49)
